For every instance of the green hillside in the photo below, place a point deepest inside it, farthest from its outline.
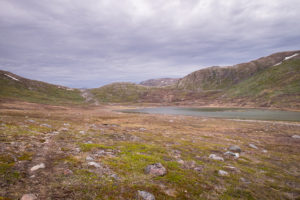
(119, 92)
(276, 85)
(17, 88)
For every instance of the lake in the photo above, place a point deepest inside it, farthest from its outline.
(229, 113)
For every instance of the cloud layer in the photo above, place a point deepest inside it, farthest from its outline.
(94, 42)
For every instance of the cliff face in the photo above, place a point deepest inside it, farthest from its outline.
(220, 78)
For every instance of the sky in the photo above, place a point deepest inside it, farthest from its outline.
(90, 43)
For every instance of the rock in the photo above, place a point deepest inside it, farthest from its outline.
(296, 136)
(170, 192)
(142, 195)
(46, 125)
(222, 173)
(215, 157)
(156, 169)
(63, 129)
(264, 151)
(229, 153)
(89, 158)
(28, 197)
(82, 132)
(235, 148)
(253, 146)
(171, 121)
(115, 176)
(94, 164)
(180, 161)
(244, 180)
(198, 169)
(67, 172)
(89, 142)
(31, 120)
(36, 167)
(143, 129)
(66, 124)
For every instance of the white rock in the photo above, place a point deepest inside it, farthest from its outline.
(28, 197)
(253, 146)
(82, 132)
(229, 153)
(94, 164)
(296, 136)
(36, 167)
(46, 125)
(264, 151)
(89, 158)
(222, 173)
(180, 161)
(145, 195)
(215, 157)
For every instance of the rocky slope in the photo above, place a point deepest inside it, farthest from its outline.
(220, 78)
(160, 82)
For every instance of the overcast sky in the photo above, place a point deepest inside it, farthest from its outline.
(89, 43)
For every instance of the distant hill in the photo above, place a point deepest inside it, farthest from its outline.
(160, 82)
(222, 78)
(271, 81)
(276, 85)
(16, 87)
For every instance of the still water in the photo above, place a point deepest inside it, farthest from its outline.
(229, 113)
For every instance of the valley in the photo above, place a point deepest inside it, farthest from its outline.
(58, 142)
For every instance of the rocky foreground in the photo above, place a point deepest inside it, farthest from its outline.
(56, 152)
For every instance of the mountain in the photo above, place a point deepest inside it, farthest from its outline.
(278, 85)
(15, 87)
(222, 78)
(160, 82)
(271, 81)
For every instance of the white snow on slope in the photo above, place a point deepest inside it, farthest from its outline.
(289, 57)
(12, 77)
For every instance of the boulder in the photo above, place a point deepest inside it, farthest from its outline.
(156, 169)
(28, 197)
(253, 146)
(215, 157)
(36, 167)
(296, 136)
(143, 195)
(223, 173)
(235, 148)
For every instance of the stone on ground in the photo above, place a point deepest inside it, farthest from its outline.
(143, 195)
(28, 197)
(222, 173)
(215, 157)
(36, 167)
(235, 148)
(156, 169)
(253, 146)
(94, 164)
(296, 136)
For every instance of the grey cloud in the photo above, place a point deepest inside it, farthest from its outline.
(91, 43)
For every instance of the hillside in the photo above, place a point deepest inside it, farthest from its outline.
(271, 81)
(222, 78)
(18, 88)
(160, 82)
(277, 85)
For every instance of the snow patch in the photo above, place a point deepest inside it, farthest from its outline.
(277, 64)
(12, 77)
(289, 57)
